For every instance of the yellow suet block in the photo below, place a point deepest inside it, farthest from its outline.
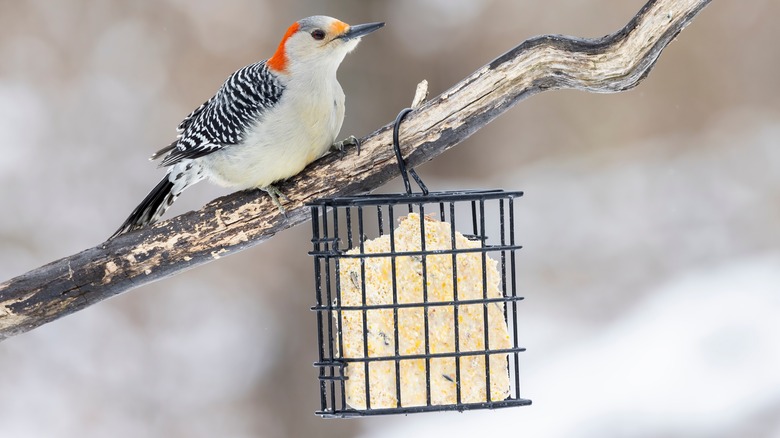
(411, 323)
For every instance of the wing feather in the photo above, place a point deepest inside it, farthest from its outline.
(224, 119)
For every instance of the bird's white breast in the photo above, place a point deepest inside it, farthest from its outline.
(300, 128)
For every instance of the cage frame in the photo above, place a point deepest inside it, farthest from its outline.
(329, 249)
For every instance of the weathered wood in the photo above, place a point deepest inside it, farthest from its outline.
(229, 224)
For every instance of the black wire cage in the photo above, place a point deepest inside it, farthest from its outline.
(416, 301)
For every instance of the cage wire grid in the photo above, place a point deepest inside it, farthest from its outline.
(349, 220)
(332, 217)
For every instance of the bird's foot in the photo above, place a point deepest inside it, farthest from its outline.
(275, 194)
(349, 141)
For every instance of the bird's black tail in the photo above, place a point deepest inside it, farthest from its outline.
(151, 208)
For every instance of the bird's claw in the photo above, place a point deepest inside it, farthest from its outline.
(342, 145)
(275, 194)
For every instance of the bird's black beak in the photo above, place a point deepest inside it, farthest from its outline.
(359, 30)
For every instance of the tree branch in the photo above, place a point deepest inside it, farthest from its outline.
(229, 224)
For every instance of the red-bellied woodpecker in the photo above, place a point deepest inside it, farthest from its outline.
(265, 124)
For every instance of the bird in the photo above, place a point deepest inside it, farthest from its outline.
(267, 121)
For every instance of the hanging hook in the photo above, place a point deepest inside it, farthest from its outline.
(400, 158)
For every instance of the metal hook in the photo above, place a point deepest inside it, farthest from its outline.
(400, 158)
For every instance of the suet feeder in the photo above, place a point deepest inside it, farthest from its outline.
(416, 300)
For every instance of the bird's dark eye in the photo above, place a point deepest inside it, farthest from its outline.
(318, 34)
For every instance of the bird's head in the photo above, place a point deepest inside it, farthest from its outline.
(318, 42)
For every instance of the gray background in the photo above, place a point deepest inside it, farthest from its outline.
(651, 264)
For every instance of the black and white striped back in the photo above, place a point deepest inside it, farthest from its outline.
(225, 119)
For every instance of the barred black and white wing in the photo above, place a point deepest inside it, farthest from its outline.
(226, 118)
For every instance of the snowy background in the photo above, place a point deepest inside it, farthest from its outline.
(650, 225)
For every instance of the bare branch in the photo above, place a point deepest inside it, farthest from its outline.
(614, 63)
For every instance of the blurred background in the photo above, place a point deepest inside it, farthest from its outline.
(650, 225)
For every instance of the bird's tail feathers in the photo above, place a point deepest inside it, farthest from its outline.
(151, 208)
